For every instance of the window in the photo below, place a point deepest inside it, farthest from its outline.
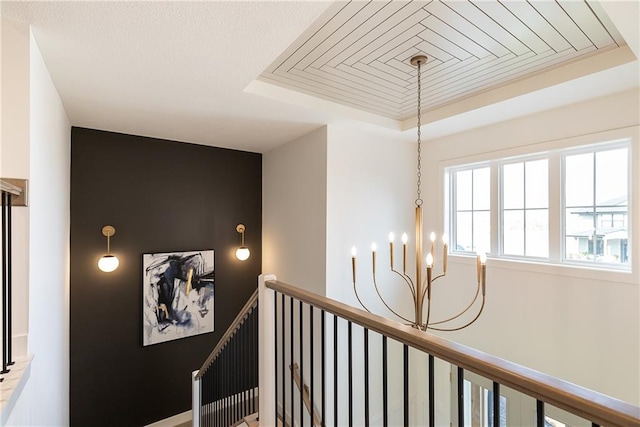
(472, 189)
(596, 206)
(525, 208)
(581, 217)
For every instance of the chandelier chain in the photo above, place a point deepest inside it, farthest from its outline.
(418, 193)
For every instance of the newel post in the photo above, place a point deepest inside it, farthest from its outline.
(266, 351)
(196, 392)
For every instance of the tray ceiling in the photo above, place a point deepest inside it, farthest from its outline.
(357, 54)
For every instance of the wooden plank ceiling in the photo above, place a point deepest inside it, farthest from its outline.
(357, 54)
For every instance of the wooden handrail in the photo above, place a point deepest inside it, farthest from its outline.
(591, 405)
(8, 187)
(251, 303)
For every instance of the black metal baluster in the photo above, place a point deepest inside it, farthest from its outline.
(9, 282)
(301, 346)
(539, 413)
(385, 397)
(291, 342)
(226, 421)
(496, 404)
(240, 368)
(213, 381)
(234, 377)
(256, 366)
(221, 380)
(275, 334)
(311, 371)
(4, 283)
(223, 388)
(350, 346)
(245, 368)
(237, 369)
(366, 377)
(335, 370)
(214, 414)
(228, 358)
(246, 371)
(205, 417)
(432, 392)
(322, 366)
(204, 386)
(284, 371)
(460, 396)
(405, 364)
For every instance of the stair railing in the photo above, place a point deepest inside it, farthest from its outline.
(288, 316)
(8, 192)
(225, 387)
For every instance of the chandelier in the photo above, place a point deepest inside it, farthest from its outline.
(421, 288)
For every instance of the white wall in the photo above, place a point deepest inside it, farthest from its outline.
(45, 399)
(578, 325)
(294, 211)
(370, 192)
(14, 162)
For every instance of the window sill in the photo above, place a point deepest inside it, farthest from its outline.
(566, 270)
(13, 385)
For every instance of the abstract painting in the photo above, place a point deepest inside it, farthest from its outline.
(177, 294)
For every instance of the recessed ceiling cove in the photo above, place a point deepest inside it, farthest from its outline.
(357, 54)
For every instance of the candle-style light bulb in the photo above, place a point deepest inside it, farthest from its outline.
(429, 271)
(483, 263)
(445, 238)
(432, 237)
(353, 265)
(391, 239)
(478, 265)
(405, 239)
(374, 248)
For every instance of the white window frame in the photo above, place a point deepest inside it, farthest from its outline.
(451, 172)
(555, 263)
(499, 164)
(595, 148)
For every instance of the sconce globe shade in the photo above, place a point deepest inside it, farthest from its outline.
(242, 253)
(108, 263)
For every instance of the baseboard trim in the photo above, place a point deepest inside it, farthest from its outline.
(173, 421)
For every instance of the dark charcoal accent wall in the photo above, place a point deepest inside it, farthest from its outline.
(161, 196)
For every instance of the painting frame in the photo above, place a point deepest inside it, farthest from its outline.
(178, 295)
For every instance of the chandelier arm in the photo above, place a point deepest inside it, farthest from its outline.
(424, 283)
(461, 327)
(407, 280)
(475, 298)
(426, 325)
(355, 291)
(375, 285)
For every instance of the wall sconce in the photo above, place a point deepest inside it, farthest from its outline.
(108, 262)
(242, 253)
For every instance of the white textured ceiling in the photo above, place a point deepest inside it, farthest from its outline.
(193, 71)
